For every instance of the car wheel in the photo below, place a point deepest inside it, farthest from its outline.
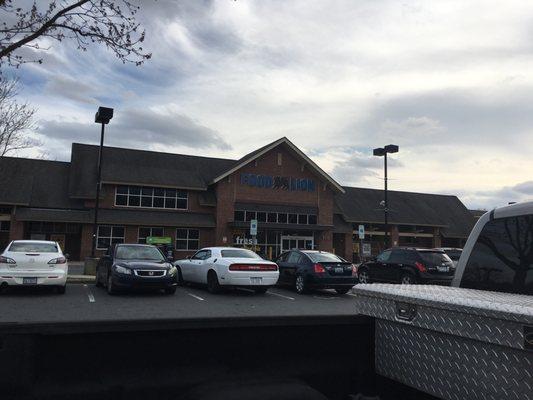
(181, 282)
(261, 290)
(299, 285)
(61, 289)
(212, 282)
(110, 287)
(363, 275)
(170, 290)
(343, 290)
(408, 279)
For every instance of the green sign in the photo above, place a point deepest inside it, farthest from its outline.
(159, 240)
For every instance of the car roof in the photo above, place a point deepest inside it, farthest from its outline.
(134, 245)
(222, 248)
(416, 249)
(35, 241)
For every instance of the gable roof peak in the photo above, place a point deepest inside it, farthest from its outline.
(262, 150)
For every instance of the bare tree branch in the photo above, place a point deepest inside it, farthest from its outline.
(84, 21)
(16, 119)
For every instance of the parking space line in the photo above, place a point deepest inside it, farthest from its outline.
(89, 294)
(279, 295)
(195, 296)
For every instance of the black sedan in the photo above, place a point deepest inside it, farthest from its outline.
(311, 269)
(135, 266)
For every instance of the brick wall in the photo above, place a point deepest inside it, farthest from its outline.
(230, 190)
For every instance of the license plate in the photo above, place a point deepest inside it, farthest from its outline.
(29, 281)
(443, 269)
(256, 280)
(339, 270)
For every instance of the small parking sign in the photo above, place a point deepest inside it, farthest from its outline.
(253, 227)
(361, 232)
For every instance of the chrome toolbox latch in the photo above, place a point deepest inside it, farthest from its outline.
(405, 311)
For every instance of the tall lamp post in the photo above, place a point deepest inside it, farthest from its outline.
(382, 152)
(103, 116)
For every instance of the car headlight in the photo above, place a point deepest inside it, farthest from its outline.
(172, 271)
(122, 270)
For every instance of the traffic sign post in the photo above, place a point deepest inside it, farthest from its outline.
(253, 232)
(361, 233)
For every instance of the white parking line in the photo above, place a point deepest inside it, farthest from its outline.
(89, 294)
(196, 297)
(279, 295)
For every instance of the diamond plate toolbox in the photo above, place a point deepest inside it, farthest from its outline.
(450, 342)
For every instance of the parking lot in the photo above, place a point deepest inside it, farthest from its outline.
(25, 308)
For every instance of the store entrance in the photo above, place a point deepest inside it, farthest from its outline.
(297, 242)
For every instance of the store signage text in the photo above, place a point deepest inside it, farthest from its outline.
(278, 182)
(245, 240)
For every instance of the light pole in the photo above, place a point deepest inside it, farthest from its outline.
(103, 116)
(382, 152)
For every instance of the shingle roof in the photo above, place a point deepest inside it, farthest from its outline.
(36, 183)
(407, 208)
(117, 217)
(140, 167)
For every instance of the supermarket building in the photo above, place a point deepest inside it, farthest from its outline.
(194, 202)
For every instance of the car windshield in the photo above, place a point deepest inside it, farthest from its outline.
(324, 257)
(31, 247)
(238, 253)
(139, 253)
(434, 257)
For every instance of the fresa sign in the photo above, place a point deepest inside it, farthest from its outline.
(278, 182)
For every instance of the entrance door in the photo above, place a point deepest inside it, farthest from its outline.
(297, 242)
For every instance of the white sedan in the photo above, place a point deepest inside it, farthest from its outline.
(34, 263)
(219, 267)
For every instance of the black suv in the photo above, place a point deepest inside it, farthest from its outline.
(408, 265)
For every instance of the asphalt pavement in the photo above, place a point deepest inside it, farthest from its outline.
(84, 306)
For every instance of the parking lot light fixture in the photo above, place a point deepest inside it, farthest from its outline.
(382, 152)
(103, 116)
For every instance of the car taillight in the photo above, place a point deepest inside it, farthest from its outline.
(354, 270)
(59, 260)
(253, 267)
(7, 260)
(421, 267)
(319, 269)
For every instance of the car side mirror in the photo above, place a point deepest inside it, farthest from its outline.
(67, 256)
(170, 259)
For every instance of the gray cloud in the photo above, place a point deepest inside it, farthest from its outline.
(142, 129)
(358, 168)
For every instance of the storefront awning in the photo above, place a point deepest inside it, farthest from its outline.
(294, 227)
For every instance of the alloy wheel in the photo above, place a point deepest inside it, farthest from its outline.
(363, 276)
(300, 284)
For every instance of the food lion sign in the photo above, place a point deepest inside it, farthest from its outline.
(278, 182)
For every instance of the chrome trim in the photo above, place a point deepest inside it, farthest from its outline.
(154, 271)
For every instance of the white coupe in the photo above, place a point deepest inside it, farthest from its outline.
(34, 262)
(219, 267)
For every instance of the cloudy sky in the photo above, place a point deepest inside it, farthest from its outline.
(450, 82)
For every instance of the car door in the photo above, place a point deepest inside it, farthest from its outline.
(203, 266)
(293, 264)
(190, 267)
(283, 268)
(391, 268)
(377, 268)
